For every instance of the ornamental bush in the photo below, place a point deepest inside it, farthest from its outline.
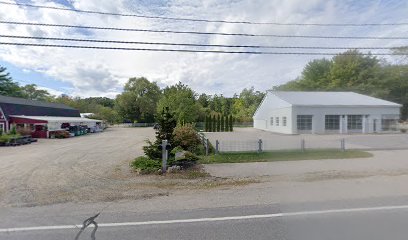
(145, 165)
(186, 137)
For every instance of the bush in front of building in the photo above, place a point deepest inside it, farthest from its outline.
(6, 138)
(184, 142)
(145, 165)
(186, 137)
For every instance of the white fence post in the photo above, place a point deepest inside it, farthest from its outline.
(343, 144)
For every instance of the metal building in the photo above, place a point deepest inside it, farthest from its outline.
(325, 112)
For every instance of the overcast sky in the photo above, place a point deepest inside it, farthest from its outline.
(84, 73)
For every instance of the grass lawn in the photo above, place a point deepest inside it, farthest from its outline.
(240, 157)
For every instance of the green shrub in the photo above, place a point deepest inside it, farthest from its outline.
(13, 131)
(186, 137)
(146, 165)
(152, 150)
(5, 138)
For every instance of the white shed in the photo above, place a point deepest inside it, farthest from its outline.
(325, 112)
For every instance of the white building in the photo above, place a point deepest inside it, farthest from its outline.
(325, 112)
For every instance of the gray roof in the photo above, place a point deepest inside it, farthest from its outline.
(22, 101)
(331, 99)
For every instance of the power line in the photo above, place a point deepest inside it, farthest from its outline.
(189, 50)
(203, 20)
(188, 44)
(193, 32)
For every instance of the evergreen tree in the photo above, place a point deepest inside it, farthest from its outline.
(206, 124)
(218, 123)
(7, 86)
(231, 122)
(222, 123)
(214, 124)
(226, 123)
(167, 123)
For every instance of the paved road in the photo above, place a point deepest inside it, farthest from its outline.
(388, 163)
(74, 169)
(359, 219)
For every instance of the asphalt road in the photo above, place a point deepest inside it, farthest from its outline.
(357, 219)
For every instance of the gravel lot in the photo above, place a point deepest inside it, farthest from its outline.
(243, 139)
(86, 168)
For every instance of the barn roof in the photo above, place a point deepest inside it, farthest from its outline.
(21, 106)
(330, 99)
(23, 101)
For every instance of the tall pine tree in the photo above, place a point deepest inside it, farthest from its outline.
(7, 86)
(218, 123)
(214, 124)
(231, 122)
(226, 123)
(222, 123)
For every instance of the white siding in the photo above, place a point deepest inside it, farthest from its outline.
(273, 106)
(374, 113)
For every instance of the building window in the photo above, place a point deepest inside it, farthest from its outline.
(277, 121)
(271, 121)
(355, 122)
(389, 123)
(332, 122)
(284, 121)
(304, 122)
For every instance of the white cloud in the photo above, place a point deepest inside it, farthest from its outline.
(103, 73)
(51, 91)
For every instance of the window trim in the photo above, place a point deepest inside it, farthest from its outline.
(306, 123)
(332, 122)
(284, 121)
(354, 125)
(277, 121)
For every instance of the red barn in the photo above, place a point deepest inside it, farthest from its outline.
(39, 118)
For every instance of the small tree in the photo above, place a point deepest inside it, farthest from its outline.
(218, 123)
(167, 123)
(231, 122)
(214, 124)
(222, 123)
(206, 123)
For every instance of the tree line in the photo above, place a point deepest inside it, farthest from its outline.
(142, 100)
(354, 71)
(218, 123)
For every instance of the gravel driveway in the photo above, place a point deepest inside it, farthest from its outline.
(85, 168)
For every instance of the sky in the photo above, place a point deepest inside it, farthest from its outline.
(86, 73)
